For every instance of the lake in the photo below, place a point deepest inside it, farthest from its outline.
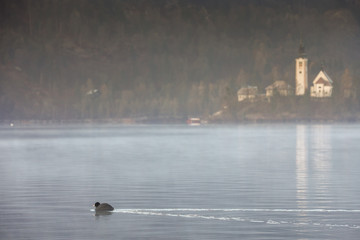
(276, 181)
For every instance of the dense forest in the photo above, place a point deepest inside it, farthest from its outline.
(164, 59)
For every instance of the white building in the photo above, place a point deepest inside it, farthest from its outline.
(322, 85)
(247, 93)
(279, 87)
(301, 72)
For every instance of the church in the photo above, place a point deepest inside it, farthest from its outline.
(322, 84)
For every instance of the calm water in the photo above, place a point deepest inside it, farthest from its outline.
(181, 182)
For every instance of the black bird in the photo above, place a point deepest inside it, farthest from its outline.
(103, 207)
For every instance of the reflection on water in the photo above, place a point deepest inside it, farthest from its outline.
(313, 141)
(321, 159)
(301, 166)
(321, 147)
(102, 213)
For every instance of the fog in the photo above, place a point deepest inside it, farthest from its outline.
(164, 61)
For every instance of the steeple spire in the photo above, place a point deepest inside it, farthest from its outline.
(302, 49)
(322, 66)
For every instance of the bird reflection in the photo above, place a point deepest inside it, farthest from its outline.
(102, 213)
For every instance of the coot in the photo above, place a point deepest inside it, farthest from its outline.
(103, 207)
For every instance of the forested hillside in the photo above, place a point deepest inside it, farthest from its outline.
(165, 58)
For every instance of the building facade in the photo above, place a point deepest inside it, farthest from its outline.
(279, 87)
(247, 93)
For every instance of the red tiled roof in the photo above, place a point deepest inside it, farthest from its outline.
(322, 81)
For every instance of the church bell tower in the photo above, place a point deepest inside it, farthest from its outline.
(301, 72)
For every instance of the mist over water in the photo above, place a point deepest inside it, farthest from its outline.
(180, 182)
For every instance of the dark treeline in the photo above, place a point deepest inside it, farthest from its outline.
(166, 58)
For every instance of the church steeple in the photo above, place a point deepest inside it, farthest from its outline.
(302, 49)
(301, 71)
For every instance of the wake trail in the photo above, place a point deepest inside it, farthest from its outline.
(219, 215)
(238, 210)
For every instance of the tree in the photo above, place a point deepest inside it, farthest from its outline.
(347, 86)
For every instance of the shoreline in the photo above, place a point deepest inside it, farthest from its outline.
(167, 121)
